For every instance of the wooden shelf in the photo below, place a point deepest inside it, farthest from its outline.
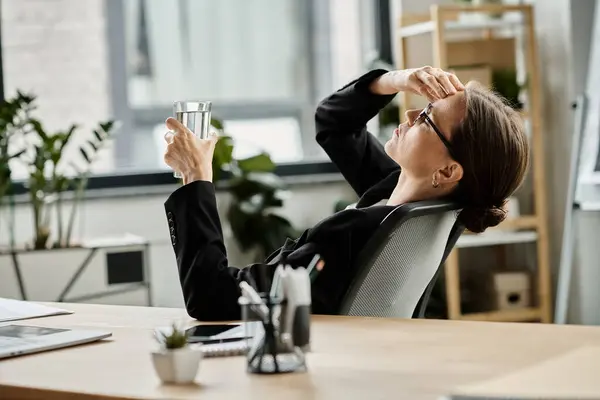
(493, 238)
(500, 37)
(517, 315)
(524, 222)
(429, 26)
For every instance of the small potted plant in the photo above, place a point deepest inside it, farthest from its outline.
(176, 361)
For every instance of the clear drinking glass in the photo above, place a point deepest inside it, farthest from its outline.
(195, 115)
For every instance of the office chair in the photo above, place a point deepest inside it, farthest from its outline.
(400, 263)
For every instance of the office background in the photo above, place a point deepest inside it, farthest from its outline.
(265, 64)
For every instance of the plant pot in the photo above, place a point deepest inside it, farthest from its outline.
(178, 366)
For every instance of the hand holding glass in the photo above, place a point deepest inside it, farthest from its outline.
(194, 115)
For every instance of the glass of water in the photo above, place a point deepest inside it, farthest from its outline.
(195, 115)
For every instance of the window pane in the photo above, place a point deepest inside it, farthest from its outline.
(279, 137)
(265, 64)
(224, 51)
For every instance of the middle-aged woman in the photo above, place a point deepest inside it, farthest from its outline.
(466, 145)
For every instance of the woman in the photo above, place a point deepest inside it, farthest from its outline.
(467, 145)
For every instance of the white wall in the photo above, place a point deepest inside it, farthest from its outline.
(143, 215)
(563, 40)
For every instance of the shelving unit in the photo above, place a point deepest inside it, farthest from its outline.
(444, 24)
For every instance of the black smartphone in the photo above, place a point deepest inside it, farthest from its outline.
(214, 333)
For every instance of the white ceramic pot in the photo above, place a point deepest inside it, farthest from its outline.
(177, 366)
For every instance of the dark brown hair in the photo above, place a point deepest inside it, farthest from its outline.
(491, 145)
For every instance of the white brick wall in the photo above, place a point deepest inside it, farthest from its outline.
(57, 50)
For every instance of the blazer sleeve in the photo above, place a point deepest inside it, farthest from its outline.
(341, 121)
(210, 286)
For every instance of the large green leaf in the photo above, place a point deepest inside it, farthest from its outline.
(216, 123)
(223, 156)
(275, 230)
(246, 186)
(245, 227)
(259, 163)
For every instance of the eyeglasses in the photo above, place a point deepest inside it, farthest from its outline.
(424, 117)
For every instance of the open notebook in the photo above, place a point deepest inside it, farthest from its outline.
(573, 375)
(13, 310)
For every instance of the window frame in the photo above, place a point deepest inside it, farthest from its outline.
(383, 31)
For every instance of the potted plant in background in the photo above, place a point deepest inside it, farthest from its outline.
(48, 189)
(53, 176)
(176, 361)
(506, 83)
(257, 193)
(50, 173)
(14, 118)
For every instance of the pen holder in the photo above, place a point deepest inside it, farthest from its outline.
(269, 350)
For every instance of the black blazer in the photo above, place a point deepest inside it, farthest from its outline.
(210, 284)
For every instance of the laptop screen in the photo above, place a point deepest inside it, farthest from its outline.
(24, 332)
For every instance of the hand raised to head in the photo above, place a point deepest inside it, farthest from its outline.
(432, 83)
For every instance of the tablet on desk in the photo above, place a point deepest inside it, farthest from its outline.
(220, 333)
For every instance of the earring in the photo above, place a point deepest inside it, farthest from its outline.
(435, 183)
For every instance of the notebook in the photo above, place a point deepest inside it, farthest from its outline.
(572, 375)
(13, 310)
(227, 349)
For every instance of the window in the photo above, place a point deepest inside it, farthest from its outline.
(255, 60)
(264, 64)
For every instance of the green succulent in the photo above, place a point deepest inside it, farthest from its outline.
(176, 339)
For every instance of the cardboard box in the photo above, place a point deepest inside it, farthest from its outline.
(497, 53)
(481, 74)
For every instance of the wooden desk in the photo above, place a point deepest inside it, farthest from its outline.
(352, 358)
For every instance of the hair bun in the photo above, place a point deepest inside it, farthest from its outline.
(477, 219)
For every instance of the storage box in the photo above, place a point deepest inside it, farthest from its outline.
(498, 53)
(513, 290)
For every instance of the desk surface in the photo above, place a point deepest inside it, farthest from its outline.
(351, 358)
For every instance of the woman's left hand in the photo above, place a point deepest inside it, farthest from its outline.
(188, 154)
(432, 83)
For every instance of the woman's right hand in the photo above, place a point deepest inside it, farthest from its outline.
(187, 154)
(432, 83)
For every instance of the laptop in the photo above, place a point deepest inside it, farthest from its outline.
(16, 340)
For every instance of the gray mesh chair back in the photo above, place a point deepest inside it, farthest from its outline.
(401, 259)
